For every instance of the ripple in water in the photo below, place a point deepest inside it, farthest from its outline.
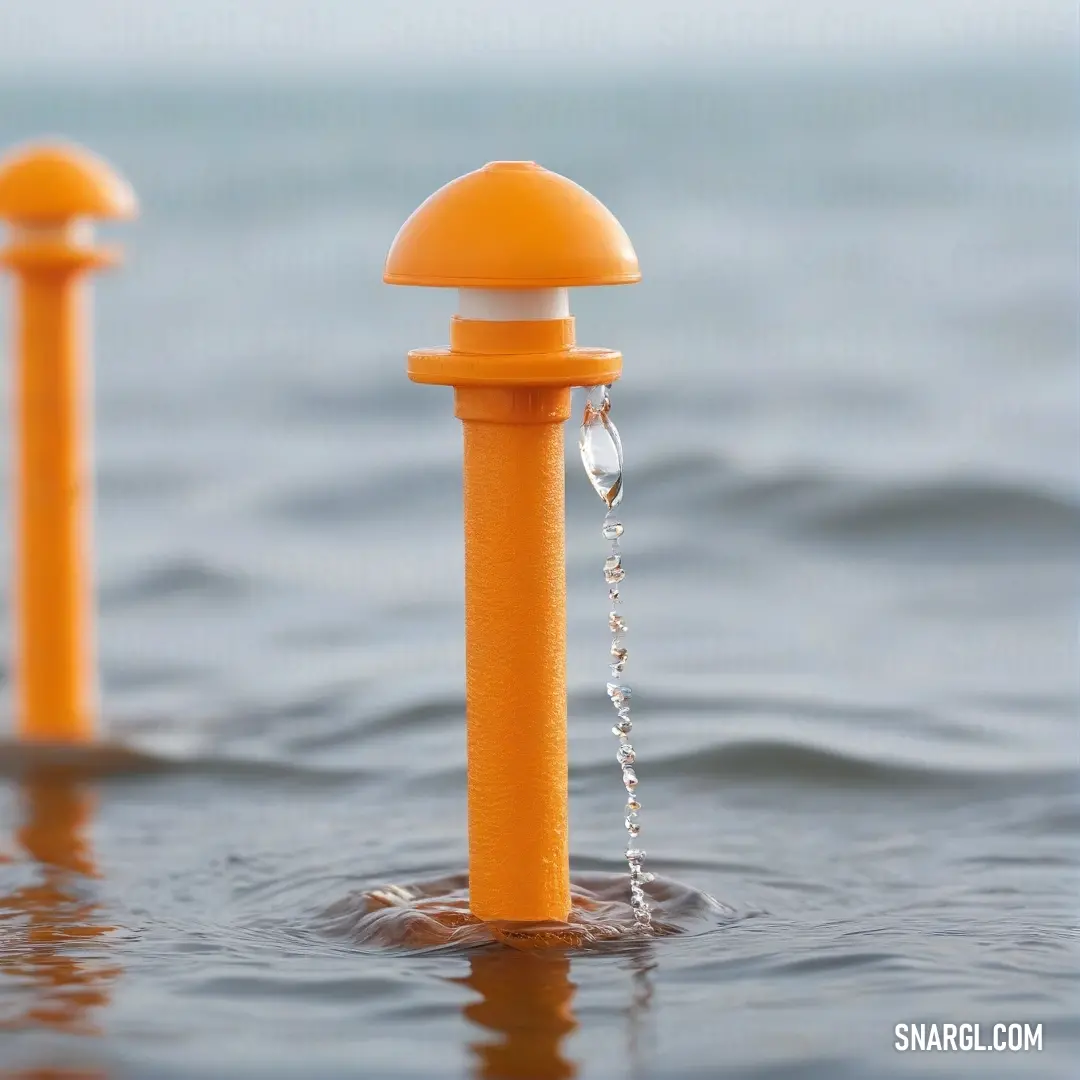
(435, 915)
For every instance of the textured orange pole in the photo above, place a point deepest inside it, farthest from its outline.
(46, 192)
(515, 649)
(55, 664)
(513, 237)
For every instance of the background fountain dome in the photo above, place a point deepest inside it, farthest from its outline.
(47, 182)
(512, 225)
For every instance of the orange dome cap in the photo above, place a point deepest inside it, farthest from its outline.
(511, 225)
(56, 182)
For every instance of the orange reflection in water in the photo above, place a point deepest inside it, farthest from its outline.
(526, 1002)
(54, 1074)
(48, 928)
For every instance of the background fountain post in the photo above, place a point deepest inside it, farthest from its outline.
(513, 237)
(48, 193)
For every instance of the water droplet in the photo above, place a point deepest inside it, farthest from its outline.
(616, 623)
(633, 826)
(601, 448)
(598, 396)
(634, 854)
(618, 693)
(612, 530)
(632, 805)
(623, 727)
(613, 569)
(629, 779)
(625, 754)
(618, 652)
(613, 596)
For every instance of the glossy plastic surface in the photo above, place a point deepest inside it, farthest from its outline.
(529, 353)
(512, 225)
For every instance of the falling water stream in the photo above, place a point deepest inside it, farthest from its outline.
(601, 454)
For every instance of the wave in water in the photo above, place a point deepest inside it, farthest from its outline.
(989, 516)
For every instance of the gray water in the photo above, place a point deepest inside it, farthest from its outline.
(850, 420)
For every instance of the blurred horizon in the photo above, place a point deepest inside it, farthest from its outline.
(64, 40)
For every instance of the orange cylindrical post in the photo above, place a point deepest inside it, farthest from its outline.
(513, 237)
(515, 655)
(54, 671)
(46, 192)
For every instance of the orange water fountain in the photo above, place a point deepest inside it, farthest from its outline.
(513, 237)
(49, 193)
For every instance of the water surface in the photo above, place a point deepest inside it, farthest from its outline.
(850, 422)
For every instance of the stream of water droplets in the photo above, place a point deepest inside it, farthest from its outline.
(601, 454)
